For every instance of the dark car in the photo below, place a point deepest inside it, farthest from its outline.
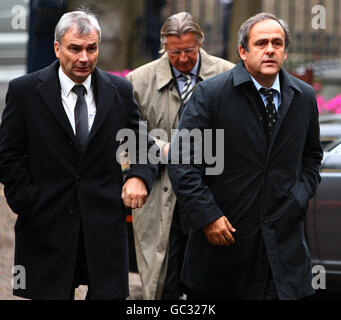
(330, 128)
(323, 219)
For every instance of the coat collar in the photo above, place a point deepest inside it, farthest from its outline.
(164, 73)
(288, 88)
(241, 75)
(49, 89)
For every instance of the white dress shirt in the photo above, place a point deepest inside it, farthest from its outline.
(181, 81)
(69, 98)
(277, 94)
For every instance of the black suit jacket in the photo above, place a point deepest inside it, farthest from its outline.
(263, 189)
(56, 189)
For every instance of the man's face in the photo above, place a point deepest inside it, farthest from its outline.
(77, 54)
(266, 51)
(181, 60)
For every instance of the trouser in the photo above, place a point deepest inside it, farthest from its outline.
(81, 276)
(270, 292)
(173, 289)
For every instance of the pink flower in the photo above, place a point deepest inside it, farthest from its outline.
(331, 106)
(334, 105)
(320, 103)
(122, 73)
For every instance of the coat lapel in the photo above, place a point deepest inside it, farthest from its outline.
(164, 77)
(105, 92)
(287, 93)
(50, 91)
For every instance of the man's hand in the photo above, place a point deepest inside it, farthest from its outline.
(165, 150)
(219, 231)
(134, 193)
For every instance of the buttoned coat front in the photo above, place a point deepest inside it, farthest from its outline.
(56, 189)
(156, 93)
(263, 190)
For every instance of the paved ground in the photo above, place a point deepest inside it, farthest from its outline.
(7, 220)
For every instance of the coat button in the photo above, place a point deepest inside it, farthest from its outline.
(71, 214)
(165, 189)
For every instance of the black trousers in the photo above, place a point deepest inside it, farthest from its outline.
(173, 289)
(81, 276)
(270, 292)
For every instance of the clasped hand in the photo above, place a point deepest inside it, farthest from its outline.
(219, 232)
(134, 193)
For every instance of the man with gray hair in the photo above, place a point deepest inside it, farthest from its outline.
(247, 224)
(162, 88)
(58, 165)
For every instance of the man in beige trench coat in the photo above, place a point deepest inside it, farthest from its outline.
(162, 90)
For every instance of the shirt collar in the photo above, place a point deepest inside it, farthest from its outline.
(67, 84)
(193, 72)
(275, 86)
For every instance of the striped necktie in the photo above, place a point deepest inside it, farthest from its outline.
(187, 89)
(270, 108)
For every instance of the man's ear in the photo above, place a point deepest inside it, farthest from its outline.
(57, 49)
(242, 52)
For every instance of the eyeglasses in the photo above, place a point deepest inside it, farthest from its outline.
(177, 52)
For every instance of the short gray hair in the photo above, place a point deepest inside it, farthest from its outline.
(177, 25)
(84, 21)
(244, 31)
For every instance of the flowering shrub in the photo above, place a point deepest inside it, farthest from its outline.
(120, 73)
(330, 106)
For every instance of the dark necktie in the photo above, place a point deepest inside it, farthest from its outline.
(270, 108)
(187, 89)
(81, 116)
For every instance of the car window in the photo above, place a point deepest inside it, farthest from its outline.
(336, 149)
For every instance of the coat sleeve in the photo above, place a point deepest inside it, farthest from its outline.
(195, 198)
(19, 187)
(312, 155)
(141, 167)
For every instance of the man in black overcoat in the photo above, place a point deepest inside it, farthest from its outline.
(58, 165)
(247, 223)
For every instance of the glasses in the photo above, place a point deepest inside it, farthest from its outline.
(177, 52)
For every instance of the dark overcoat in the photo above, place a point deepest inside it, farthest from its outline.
(264, 188)
(56, 189)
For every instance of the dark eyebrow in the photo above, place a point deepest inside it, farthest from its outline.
(78, 45)
(267, 39)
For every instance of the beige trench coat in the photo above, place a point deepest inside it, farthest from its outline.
(159, 102)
